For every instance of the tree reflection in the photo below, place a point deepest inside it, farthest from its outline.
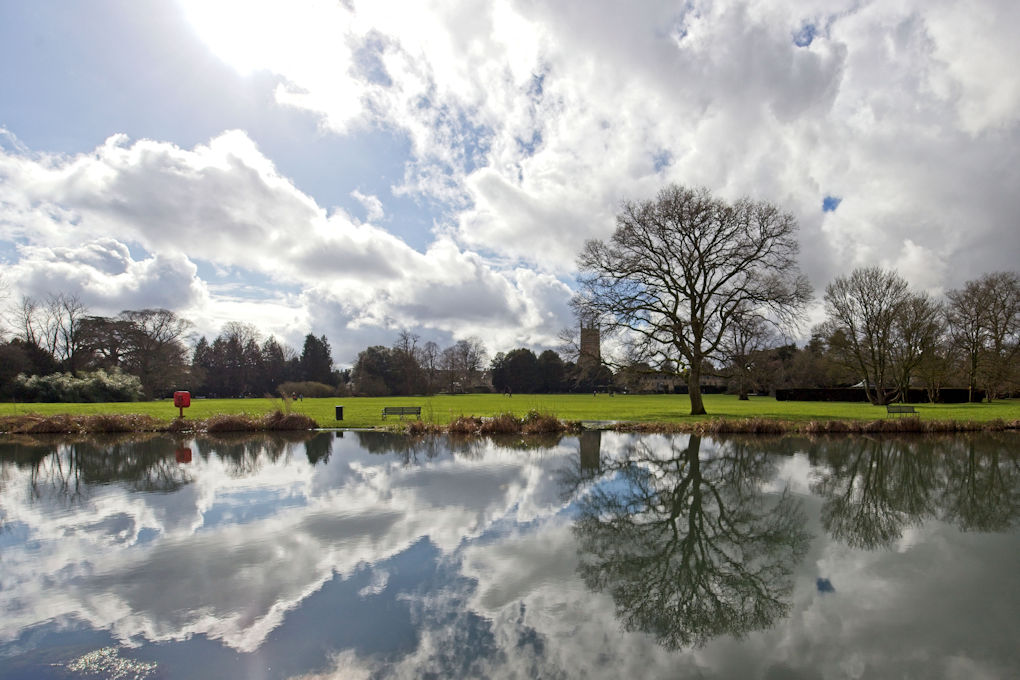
(414, 449)
(984, 494)
(319, 448)
(874, 488)
(64, 470)
(688, 547)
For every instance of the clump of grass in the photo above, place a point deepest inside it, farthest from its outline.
(417, 428)
(229, 422)
(277, 420)
(768, 426)
(536, 422)
(241, 422)
(58, 424)
(503, 423)
(464, 425)
(132, 422)
(71, 424)
(748, 425)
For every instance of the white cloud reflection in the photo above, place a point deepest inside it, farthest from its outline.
(251, 539)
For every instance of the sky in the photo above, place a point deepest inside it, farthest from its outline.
(353, 168)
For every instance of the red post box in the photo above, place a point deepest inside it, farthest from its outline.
(182, 400)
(183, 454)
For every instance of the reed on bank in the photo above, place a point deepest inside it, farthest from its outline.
(110, 422)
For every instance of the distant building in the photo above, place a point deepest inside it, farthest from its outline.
(590, 356)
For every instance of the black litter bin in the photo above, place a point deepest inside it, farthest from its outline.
(339, 412)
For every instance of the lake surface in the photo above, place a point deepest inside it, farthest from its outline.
(604, 555)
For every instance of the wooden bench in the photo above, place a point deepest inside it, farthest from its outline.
(401, 411)
(899, 408)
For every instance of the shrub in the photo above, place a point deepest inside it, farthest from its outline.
(308, 388)
(504, 423)
(542, 423)
(98, 386)
(464, 425)
(286, 421)
(230, 422)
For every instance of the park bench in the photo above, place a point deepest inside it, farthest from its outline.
(899, 408)
(401, 411)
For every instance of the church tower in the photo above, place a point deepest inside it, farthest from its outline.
(591, 350)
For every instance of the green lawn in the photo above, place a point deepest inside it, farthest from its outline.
(366, 412)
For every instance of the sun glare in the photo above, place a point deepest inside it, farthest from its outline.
(284, 37)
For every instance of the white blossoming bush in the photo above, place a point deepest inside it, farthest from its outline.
(96, 386)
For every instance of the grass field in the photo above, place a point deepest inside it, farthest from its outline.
(441, 409)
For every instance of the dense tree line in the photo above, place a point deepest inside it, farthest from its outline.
(409, 367)
(878, 334)
(59, 335)
(883, 336)
(237, 364)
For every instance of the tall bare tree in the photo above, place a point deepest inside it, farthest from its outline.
(863, 309)
(68, 312)
(918, 328)
(1002, 297)
(984, 323)
(461, 362)
(748, 335)
(679, 269)
(157, 353)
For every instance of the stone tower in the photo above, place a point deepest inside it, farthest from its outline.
(591, 351)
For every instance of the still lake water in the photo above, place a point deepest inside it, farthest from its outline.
(603, 555)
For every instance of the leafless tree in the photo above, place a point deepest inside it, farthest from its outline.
(748, 335)
(862, 311)
(462, 362)
(679, 268)
(968, 328)
(68, 313)
(53, 325)
(430, 355)
(918, 327)
(156, 352)
(984, 323)
(28, 321)
(1002, 297)
(407, 360)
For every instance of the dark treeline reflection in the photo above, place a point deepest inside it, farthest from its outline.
(417, 449)
(687, 546)
(874, 488)
(680, 535)
(67, 469)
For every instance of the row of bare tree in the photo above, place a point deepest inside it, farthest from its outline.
(59, 333)
(893, 336)
(689, 283)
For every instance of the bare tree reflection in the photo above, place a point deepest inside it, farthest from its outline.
(413, 450)
(319, 448)
(65, 470)
(689, 548)
(874, 488)
(984, 491)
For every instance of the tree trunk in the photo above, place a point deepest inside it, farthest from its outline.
(694, 390)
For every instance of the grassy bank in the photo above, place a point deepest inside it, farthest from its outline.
(66, 423)
(666, 410)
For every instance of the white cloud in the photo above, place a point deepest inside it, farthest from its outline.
(528, 124)
(104, 275)
(373, 206)
(533, 121)
(225, 204)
